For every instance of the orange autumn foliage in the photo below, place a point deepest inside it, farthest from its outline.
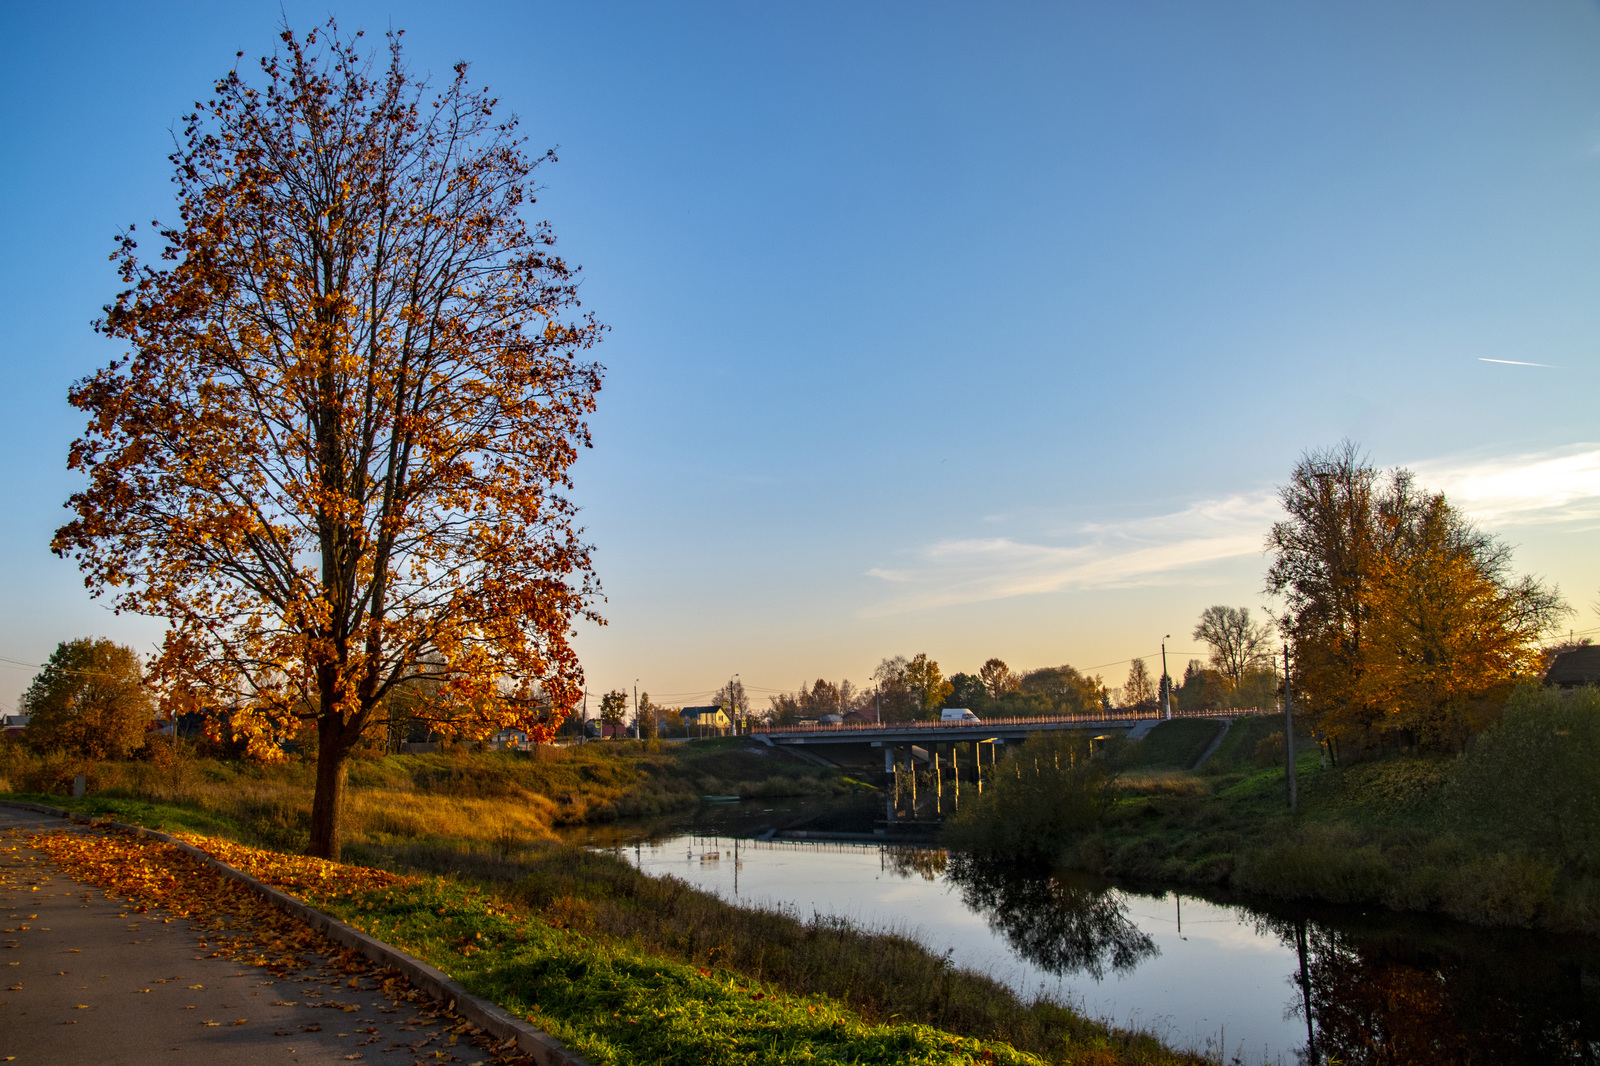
(333, 459)
(1405, 618)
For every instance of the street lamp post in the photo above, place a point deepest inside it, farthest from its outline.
(1166, 679)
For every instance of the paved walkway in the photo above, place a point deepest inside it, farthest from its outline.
(86, 980)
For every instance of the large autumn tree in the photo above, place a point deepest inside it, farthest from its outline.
(332, 458)
(1402, 615)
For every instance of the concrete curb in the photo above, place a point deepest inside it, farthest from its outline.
(537, 1044)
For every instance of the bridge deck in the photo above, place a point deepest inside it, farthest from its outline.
(960, 732)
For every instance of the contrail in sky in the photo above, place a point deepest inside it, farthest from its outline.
(1517, 362)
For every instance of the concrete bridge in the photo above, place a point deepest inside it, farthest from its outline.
(948, 751)
(824, 740)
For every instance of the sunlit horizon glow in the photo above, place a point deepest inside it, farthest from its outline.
(952, 329)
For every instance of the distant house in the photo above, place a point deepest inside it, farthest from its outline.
(1577, 666)
(510, 740)
(598, 729)
(860, 717)
(702, 720)
(12, 725)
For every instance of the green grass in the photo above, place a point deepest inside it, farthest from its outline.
(1174, 745)
(614, 1005)
(1238, 749)
(1377, 833)
(167, 818)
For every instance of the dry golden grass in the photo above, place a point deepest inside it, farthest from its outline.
(495, 799)
(379, 815)
(1161, 783)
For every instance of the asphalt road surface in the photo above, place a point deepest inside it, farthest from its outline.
(86, 980)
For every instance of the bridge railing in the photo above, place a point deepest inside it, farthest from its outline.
(1127, 715)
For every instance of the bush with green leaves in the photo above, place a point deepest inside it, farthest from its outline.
(1043, 795)
(1534, 777)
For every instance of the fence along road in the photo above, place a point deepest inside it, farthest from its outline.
(1003, 730)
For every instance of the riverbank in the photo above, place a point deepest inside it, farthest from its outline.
(501, 798)
(1442, 834)
(632, 968)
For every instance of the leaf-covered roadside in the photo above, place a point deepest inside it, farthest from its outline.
(611, 1005)
(237, 924)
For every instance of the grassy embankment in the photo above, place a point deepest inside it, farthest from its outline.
(639, 959)
(490, 797)
(632, 968)
(1503, 836)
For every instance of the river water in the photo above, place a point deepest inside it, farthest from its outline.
(1232, 979)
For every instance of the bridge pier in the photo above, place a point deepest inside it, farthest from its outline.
(911, 766)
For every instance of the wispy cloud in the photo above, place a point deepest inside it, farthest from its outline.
(1555, 486)
(1101, 555)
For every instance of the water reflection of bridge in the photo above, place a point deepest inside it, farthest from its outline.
(950, 752)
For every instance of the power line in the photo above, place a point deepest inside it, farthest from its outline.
(1146, 655)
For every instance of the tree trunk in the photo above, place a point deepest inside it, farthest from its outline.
(328, 800)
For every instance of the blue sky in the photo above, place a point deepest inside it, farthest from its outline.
(968, 329)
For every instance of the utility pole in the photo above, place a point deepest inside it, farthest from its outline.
(877, 701)
(638, 723)
(583, 719)
(1288, 729)
(1166, 681)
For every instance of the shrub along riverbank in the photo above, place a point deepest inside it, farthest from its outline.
(501, 797)
(1508, 834)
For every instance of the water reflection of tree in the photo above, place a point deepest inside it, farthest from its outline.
(1057, 925)
(927, 863)
(1376, 1000)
